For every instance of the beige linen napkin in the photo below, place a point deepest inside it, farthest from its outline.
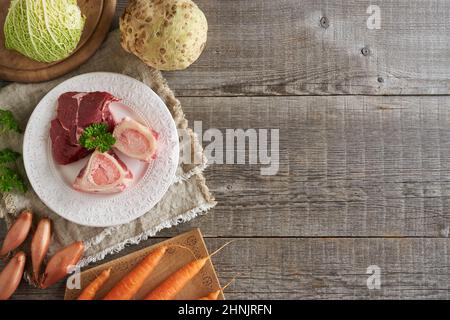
(186, 198)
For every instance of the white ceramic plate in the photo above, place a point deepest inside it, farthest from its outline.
(52, 182)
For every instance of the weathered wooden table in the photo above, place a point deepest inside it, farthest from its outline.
(364, 119)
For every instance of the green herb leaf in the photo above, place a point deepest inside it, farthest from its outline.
(96, 136)
(10, 180)
(8, 122)
(8, 156)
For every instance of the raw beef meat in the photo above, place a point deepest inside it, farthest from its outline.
(135, 140)
(104, 173)
(75, 112)
(64, 152)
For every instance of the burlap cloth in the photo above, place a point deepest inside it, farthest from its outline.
(186, 198)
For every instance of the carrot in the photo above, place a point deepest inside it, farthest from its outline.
(127, 288)
(170, 287)
(215, 295)
(91, 290)
(212, 296)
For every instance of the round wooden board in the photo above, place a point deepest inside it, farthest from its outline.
(16, 67)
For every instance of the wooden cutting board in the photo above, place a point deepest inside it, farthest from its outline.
(204, 283)
(16, 67)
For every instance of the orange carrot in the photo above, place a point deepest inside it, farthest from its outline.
(127, 288)
(91, 290)
(170, 287)
(212, 296)
(215, 295)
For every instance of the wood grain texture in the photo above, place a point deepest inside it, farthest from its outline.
(320, 268)
(267, 48)
(271, 47)
(349, 166)
(363, 180)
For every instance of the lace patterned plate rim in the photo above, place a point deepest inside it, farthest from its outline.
(102, 210)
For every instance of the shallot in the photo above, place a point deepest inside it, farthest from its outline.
(10, 276)
(39, 246)
(17, 233)
(58, 266)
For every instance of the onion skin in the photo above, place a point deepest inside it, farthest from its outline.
(11, 276)
(39, 246)
(17, 233)
(60, 262)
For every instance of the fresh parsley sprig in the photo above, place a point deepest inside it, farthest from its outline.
(10, 180)
(8, 122)
(8, 156)
(97, 136)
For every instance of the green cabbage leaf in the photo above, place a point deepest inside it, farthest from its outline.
(43, 30)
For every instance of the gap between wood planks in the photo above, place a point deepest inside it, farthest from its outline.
(225, 237)
(308, 95)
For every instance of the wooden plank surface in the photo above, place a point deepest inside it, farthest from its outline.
(352, 169)
(271, 47)
(349, 166)
(320, 268)
(363, 180)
